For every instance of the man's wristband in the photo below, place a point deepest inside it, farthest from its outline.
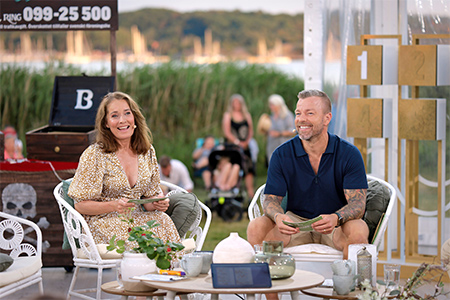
(340, 219)
(275, 217)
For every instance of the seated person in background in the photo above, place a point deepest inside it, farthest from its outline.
(226, 175)
(174, 171)
(120, 166)
(13, 146)
(201, 160)
(322, 175)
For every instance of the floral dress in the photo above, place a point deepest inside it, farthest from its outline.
(100, 177)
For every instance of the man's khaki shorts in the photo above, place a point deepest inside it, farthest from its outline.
(308, 237)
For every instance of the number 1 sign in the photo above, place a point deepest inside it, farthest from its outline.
(364, 65)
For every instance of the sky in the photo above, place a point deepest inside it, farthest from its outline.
(268, 6)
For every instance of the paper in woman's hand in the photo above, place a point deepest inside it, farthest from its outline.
(143, 201)
(303, 226)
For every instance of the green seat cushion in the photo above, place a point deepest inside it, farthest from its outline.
(378, 197)
(183, 209)
(5, 261)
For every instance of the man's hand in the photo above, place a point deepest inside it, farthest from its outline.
(326, 225)
(283, 228)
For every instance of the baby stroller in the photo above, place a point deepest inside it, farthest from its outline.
(228, 203)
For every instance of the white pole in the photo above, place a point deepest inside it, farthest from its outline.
(313, 41)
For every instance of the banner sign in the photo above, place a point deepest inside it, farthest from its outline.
(58, 15)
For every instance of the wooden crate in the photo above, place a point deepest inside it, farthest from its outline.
(72, 118)
(59, 143)
(35, 202)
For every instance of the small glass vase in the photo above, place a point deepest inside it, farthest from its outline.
(281, 265)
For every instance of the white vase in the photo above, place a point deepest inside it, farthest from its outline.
(135, 264)
(233, 249)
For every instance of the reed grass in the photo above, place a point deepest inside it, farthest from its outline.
(180, 101)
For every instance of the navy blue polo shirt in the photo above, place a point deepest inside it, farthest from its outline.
(309, 195)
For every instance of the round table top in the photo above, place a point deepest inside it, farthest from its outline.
(114, 288)
(329, 293)
(203, 284)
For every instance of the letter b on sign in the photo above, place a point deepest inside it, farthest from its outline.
(84, 99)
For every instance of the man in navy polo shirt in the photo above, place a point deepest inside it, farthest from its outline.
(322, 175)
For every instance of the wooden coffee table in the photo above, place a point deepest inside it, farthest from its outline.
(114, 288)
(329, 293)
(203, 284)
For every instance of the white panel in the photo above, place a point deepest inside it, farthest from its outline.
(390, 64)
(387, 117)
(443, 64)
(440, 119)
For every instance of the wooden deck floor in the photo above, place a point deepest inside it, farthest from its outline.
(57, 281)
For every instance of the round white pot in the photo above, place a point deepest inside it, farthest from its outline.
(233, 249)
(135, 264)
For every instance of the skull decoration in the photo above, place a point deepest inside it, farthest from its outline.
(19, 199)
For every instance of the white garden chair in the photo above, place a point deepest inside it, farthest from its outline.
(26, 268)
(305, 254)
(90, 255)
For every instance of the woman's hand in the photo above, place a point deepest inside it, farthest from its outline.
(122, 205)
(161, 205)
(274, 133)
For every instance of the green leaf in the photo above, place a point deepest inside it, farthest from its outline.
(394, 293)
(162, 263)
(381, 282)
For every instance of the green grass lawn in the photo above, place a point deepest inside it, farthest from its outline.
(220, 229)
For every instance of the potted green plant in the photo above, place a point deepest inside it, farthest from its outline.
(426, 273)
(143, 252)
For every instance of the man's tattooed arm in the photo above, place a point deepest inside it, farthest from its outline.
(272, 206)
(356, 206)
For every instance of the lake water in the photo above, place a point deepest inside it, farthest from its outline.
(295, 68)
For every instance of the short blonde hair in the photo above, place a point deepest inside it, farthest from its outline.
(317, 93)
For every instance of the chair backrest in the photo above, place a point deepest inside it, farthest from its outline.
(379, 233)
(78, 231)
(15, 243)
(195, 231)
(255, 208)
(76, 228)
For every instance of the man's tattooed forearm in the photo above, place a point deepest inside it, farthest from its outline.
(356, 206)
(272, 205)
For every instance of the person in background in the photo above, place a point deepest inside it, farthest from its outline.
(237, 126)
(322, 174)
(120, 166)
(226, 174)
(13, 146)
(201, 160)
(282, 124)
(174, 171)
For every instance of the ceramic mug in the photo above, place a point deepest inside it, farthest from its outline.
(343, 267)
(207, 260)
(342, 284)
(192, 264)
